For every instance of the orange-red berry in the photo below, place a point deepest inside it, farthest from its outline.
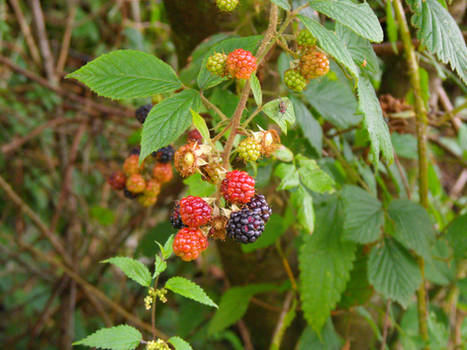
(189, 242)
(131, 165)
(117, 180)
(135, 183)
(162, 172)
(241, 64)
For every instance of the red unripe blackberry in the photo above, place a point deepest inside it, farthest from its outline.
(195, 211)
(241, 64)
(131, 165)
(162, 172)
(245, 225)
(238, 187)
(194, 135)
(164, 154)
(142, 112)
(189, 242)
(135, 183)
(117, 180)
(175, 218)
(314, 64)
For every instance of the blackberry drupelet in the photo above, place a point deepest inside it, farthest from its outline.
(245, 225)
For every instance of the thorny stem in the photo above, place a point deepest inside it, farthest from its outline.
(422, 122)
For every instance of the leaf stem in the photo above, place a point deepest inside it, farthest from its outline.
(422, 122)
(153, 311)
(212, 106)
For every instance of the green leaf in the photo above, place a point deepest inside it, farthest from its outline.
(273, 230)
(179, 343)
(328, 339)
(303, 203)
(256, 89)
(413, 228)
(159, 266)
(207, 80)
(334, 101)
(189, 289)
(325, 263)
(288, 175)
(284, 4)
(373, 121)
(364, 216)
(167, 121)
(438, 31)
(134, 269)
(393, 272)
(330, 43)
(273, 109)
(103, 215)
(121, 337)
(198, 187)
(127, 74)
(405, 145)
(200, 124)
(309, 125)
(233, 305)
(358, 17)
(283, 154)
(457, 236)
(168, 249)
(313, 177)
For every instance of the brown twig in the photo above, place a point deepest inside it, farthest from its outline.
(282, 323)
(66, 37)
(245, 334)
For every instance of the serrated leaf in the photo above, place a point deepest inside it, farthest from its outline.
(303, 203)
(374, 122)
(200, 124)
(313, 177)
(284, 4)
(283, 154)
(121, 337)
(233, 305)
(288, 175)
(327, 339)
(412, 226)
(438, 31)
(127, 74)
(189, 289)
(330, 43)
(393, 272)
(134, 269)
(457, 236)
(256, 89)
(198, 187)
(167, 121)
(273, 230)
(159, 266)
(168, 249)
(309, 125)
(325, 263)
(364, 216)
(281, 112)
(207, 80)
(179, 343)
(360, 18)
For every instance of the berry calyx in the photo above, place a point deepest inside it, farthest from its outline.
(245, 225)
(241, 64)
(305, 39)
(313, 65)
(189, 242)
(249, 149)
(218, 228)
(194, 135)
(142, 112)
(175, 218)
(117, 180)
(238, 187)
(186, 159)
(131, 165)
(259, 205)
(216, 64)
(195, 211)
(270, 142)
(164, 154)
(212, 172)
(162, 172)
(294, 80)
(227, 5)
(135, 183)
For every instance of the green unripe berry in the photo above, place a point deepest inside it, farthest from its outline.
(249, 149)
(227, 5)
(305, 38)
(216, 64)
(294, 80)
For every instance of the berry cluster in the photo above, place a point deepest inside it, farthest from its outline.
(239, 64)
(313, 63)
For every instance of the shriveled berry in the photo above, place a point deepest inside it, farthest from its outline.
(117, 180)
(259, 205)
(241, 64)
(164, 154)
(194, 135)
(162, 172)
(245, 225)
(131, 165)
(212, 172)
(195, 211)
(142, 112)
(135, 183)
(238, 187)
(186, 159)
(294, 80)
(249, 149)
(175, 218)
(216, 64)
(189, 242)
(218, 227)
(314, 64)
(227, 5)
(270, 142)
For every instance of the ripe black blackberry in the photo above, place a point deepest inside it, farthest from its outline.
(130, 195)
(175, 218)
(245, 225)
(164, 154)
(142, 112)
(259, 204)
